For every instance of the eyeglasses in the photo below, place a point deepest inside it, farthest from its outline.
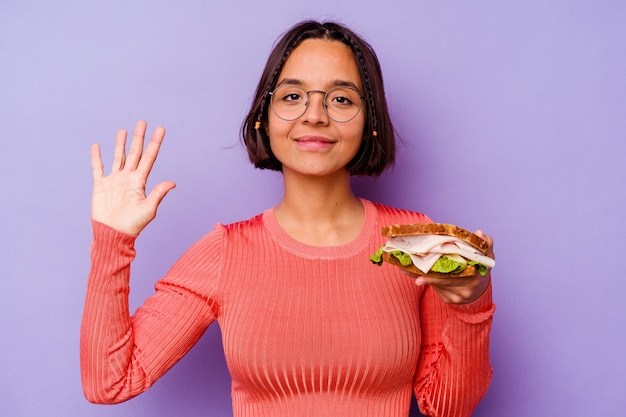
(341, 104)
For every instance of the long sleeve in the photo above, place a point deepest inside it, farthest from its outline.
(454, 371)
(121, 356)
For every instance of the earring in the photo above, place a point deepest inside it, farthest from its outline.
(374, 133)
(257, 125)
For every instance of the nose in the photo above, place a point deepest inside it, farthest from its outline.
(315, 110)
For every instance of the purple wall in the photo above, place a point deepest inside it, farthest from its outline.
(513, 118)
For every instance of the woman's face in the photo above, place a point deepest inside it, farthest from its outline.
(314, 144)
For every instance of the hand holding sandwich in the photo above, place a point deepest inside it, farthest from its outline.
(461, 290)
(454, 261)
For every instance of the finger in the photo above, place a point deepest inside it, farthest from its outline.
(487, 239)
(136, 145)
(482, 235)
(446, 282)
(457, 291)
(119, 155)
(159, 192)
(96, 162)
(152, 151)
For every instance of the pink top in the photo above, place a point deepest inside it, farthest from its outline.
(307, 331)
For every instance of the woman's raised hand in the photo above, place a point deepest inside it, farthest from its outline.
(119, 199)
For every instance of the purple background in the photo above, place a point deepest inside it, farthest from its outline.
(513, 120)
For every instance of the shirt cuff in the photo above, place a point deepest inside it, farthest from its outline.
(478, 311)
(104, 235)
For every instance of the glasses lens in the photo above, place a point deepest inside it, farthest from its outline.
(289, 102)
(343, 103)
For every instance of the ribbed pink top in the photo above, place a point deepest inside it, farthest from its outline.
(308, 331)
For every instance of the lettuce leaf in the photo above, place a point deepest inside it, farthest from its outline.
(482, 269)
(377, 258)
(447, 265)
(403, 257)
(443, 265)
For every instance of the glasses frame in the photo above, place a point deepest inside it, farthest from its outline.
(324, 105)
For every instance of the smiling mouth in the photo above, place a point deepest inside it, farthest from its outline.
(314, 139)
(314, 143)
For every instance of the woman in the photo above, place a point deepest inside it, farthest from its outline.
(310, 327)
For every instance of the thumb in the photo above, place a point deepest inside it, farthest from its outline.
(159, 192)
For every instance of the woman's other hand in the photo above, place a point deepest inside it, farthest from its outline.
(119, 199)
(463, 290)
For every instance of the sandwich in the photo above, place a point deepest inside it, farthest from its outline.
(434, 250)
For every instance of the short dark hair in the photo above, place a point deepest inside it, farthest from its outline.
(377, 150)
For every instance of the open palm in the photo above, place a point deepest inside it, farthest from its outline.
(119, 199)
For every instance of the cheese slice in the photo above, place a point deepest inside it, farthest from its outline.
(424, 250)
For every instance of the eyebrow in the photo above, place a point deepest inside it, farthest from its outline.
(335, 83)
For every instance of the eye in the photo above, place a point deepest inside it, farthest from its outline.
(343, 97)
(292, 97)
(289, 95)
(342, 100)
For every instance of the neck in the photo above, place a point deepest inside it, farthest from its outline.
(321, 211)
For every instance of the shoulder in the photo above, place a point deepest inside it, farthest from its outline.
(394, 215)
(242, 225)
(221, 233)
(213, 244)
(241, 229)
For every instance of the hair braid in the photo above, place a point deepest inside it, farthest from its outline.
(369, 94)
(371, 146)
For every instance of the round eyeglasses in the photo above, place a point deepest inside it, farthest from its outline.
(341, 104)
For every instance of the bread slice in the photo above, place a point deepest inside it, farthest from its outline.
(436, 229)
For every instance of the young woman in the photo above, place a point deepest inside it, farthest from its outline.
(310, 326)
